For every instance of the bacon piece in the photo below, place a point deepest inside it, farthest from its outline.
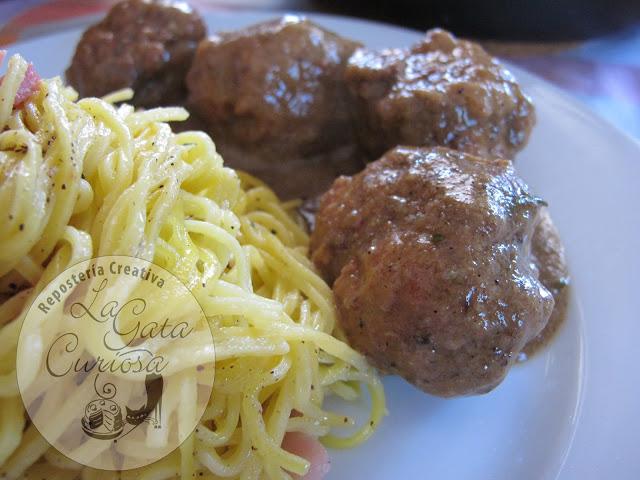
(29, 86)
(311, 449)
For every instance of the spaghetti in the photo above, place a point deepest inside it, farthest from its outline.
(84, 178)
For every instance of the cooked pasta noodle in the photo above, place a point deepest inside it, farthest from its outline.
(86, 178)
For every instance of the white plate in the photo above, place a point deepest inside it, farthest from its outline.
(572, 411)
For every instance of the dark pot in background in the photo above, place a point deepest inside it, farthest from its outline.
(533, 20)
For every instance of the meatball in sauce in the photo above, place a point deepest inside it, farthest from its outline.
(142, 44)
(428, 253)
(440, 92)
(273, 98)
(549, 258)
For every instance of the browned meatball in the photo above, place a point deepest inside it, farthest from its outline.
(143, 44)
(440, 92)
(294, 177)
(274, 89)
(549, 258)
(428, 248)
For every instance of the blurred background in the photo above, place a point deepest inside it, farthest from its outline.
(590, 48)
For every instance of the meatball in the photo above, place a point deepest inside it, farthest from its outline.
(142, 44)
(274, 89)
(293, 177)
(549, 258)
(428, 252)
(440, 92)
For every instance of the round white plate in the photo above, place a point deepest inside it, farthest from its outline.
(571, 411)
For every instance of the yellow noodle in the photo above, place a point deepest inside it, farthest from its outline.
(84, 178)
